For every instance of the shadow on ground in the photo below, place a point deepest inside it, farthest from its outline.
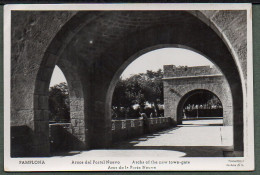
(190, 151)
(196, 125)
(137, 148)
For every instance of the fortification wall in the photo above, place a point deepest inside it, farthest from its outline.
(189, 79)
(183, 71)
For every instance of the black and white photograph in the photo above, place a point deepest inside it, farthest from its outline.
(128, 87)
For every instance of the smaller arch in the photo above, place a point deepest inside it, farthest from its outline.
(75, 131)
(77, 136)
(188, 95)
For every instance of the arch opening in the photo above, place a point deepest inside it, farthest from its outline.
(132, 77)
(69, 134)
(64, 117)
(139, 86)
(209, 96)
(59, 98)
(200, 104)
(130, 66)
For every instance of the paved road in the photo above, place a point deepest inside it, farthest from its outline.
(201, 138)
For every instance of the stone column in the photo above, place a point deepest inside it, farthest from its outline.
(98, 121)
(40, 128)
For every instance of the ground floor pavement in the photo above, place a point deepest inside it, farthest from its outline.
(194, 138)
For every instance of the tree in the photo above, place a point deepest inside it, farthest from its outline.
(122, 96)
(214, 101)
(154, 88)
(59, 104)
(139, 89)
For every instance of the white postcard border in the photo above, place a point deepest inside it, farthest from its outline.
(202, 164)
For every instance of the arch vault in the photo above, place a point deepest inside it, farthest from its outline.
(95, 47)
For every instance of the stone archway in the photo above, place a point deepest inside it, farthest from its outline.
(78, 140)
(189, 95)
(100, 56)
(75, 133)
(70, 135)
(180, 81)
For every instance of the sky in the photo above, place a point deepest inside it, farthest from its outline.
(153, 60)
(57, 77)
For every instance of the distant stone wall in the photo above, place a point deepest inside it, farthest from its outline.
(61, 138)
(173, 71)
(181, 83)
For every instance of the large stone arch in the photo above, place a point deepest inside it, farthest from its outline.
(233, 76)
(101, 53)
(51, 45)
(77, 113)
(223, 92)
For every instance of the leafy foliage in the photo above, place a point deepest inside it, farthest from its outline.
(59, 104)
(139, 89)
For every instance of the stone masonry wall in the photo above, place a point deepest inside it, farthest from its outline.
(173, 71)
(62, 139)
(175, 88)
(231, 26)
